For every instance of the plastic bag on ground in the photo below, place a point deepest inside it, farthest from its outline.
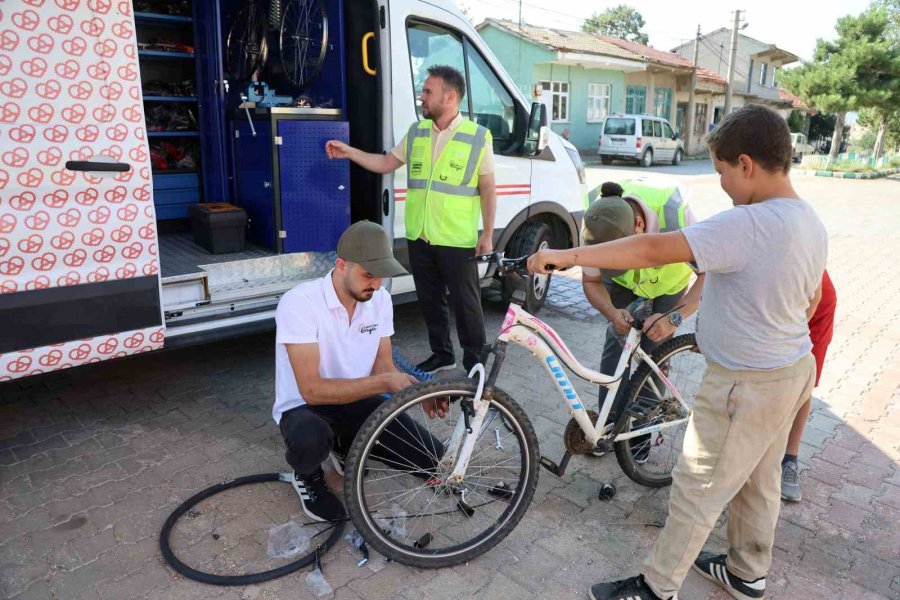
(287, 540)
(318, 585)
(395, 525)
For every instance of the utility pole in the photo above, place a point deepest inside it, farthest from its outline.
(732, 58)
(689, 117)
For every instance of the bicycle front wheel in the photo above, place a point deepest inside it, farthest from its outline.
(396, 481)
(650, 458)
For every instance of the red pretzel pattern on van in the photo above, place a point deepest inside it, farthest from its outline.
(69, 89)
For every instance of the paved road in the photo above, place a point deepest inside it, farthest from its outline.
(92, 460)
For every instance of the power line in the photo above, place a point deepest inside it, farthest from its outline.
(568, 16)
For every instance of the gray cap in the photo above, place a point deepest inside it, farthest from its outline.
(607, 219)
(367, 244)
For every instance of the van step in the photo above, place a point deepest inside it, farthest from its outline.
(264, 276)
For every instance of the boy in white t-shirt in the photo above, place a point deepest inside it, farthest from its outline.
(333, 362)
(763, 261)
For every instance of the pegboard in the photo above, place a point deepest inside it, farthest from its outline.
(315, 191)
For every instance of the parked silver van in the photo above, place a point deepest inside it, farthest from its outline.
(644, 138)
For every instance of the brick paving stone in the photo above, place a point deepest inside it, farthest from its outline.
(873, 574)
(845, 515)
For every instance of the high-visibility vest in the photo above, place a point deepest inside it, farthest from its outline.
(669, 206)
(442, 200)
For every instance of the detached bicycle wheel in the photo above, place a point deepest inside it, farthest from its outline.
(303, 40)
(396, 483)
(246, 46)
(649, 459)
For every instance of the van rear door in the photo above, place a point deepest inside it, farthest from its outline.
(79, 272)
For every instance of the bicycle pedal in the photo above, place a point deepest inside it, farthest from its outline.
(501, 490)
(643, 407)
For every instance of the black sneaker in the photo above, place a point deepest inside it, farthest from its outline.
(319, 503)
(434, 364)
(627, 589)
(712, 566)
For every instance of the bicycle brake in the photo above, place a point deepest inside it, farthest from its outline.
(468, 411)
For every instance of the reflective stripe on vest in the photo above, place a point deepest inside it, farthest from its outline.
(669, 206)
(442, 199)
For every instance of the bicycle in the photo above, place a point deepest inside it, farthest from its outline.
(484, 477)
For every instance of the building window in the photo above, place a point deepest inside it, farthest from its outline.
(598, 101)
(559, 92)
(662, 106)
(700, 117)
(763, 68)
(635, 99)
(774, 76)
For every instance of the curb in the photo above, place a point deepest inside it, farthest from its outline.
(841, 175)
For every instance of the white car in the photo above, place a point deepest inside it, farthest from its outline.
(643, 138)
(800, 147)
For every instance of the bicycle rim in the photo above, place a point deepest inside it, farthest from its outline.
(303, 40)
(246, 48)
(414, 513)
(649, 459)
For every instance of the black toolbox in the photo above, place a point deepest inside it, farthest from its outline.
(218, 227)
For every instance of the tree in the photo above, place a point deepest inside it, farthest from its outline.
(619, 21)
(796, 121)
(821, 124)
(860, 69)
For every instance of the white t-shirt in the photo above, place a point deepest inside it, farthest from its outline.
(763, 263)
(312, 313)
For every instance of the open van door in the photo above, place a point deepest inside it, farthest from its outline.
(79, 271)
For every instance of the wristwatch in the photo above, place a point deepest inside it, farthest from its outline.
(675, 318)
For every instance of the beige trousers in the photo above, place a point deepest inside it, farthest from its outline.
(733, 447)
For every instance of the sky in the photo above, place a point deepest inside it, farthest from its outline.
(791, 25)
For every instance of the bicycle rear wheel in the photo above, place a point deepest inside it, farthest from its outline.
(401, 501)
(649, 459)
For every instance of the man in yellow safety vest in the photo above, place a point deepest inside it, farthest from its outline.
(450, 185)
(638, 206)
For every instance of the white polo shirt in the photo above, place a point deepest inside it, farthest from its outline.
(312, 313)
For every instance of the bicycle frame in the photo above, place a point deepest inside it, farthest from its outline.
(526, 330)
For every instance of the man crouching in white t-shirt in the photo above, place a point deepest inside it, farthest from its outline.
(333, 361)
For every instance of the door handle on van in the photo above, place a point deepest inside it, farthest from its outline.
(385, 203)
(90, 165)
(365, 53)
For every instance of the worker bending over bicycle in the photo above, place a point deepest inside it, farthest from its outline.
(333, 363)
(763, 261)
(639, 206)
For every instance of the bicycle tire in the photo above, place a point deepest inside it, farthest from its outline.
(232, 580)
(512, 415)
(625, 453)
(246, 45)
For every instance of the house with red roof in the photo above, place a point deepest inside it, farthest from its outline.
(584, 77)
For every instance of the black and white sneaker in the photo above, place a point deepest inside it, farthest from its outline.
(628, 589)
(435, 364)
(712, 566)
(319, 503)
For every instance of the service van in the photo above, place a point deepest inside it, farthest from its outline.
(125, 125)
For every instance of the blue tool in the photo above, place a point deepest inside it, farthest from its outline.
(264, 96)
